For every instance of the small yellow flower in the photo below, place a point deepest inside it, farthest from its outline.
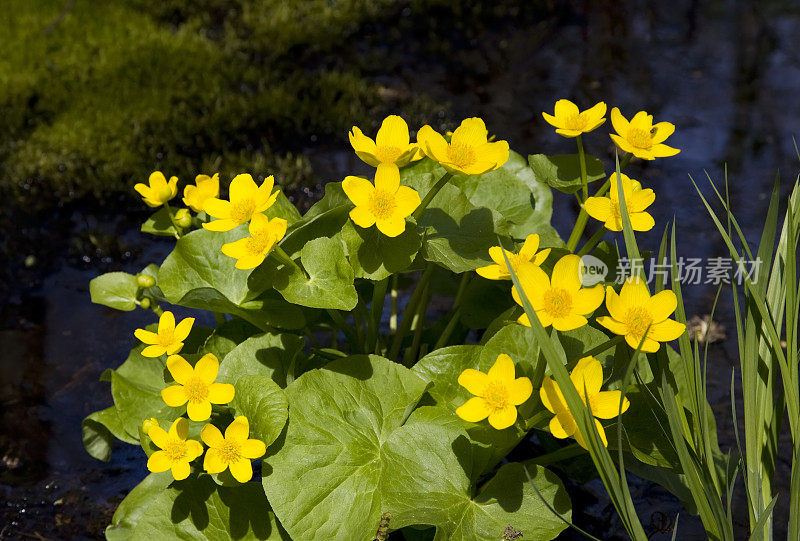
(560, 301)
(608, 209)
(169, 338)
(641, 137)
(497, 393)
(234, 451)
(570, 122)
(391, 145)
(157, 191)
(251, 251)
(386, 204)
(196, 387)
(176, 451)
(527, 258)
(206, 187)
(633, 311)
(587, 376)
(246, 199)
(469, 151)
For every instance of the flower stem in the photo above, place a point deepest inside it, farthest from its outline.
(282, 257)
(376, 311)
(339, 321)
(431, 194)
(175, 225)
(417, 326)
(411, 310)
(593, 241)
(393, 313)
(582, 160)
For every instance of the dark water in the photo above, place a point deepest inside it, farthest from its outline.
(726, 73)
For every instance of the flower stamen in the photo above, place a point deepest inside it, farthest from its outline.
(382, 204)
(557, 302)
(461, 155)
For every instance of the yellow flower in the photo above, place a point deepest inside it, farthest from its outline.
(386, 204)
(176, 451)
(251, 251)
(246, 199)
(196, 387)
(234, 451)
(205, 188)
(560, 301)
(528, 258)
(468, 153)
(157, 191)
(633, 311)
(607, 209)
(587, 376)
(392, 144)
(641, 137)
(570, 122)
(169, 338)
(497, 393)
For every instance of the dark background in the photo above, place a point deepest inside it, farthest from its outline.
(96, 95)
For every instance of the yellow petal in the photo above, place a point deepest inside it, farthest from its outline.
(179, 428)
(614, 304)
(362, 217)
(605, 405)
(493, 272)
(193, 449)
(211, 436)
(358, 190)
(472, 132)
(387, 177)
(613, 325)
(250, 261)
(662, 305)
(529, 247)
(495, 153)
(642, 121)
(541, 256)
(218, 208)
(618, 121)
(562, 425)
(393, 133)
(595, 115)
(570, 322)
(238, 430)
(634, 292)
(662, 131)
(567, 273)
(598, 208)
(212, 462)
(242, 470)
(502, 369)
(503, 418)
(551, 396)
(648, 345)
(158, 462)
(587, 376)
(520, 390)
(580, 440)
(587, 300)
(474, 381)
(174, 396)
(363, 146)
(640, 200)
(253, 449)
(641, 221)
(173, 348)
(550, 119)
(199, 411)
(236, 249)
(392, 227)
(623, 144)
(159, 436)
(407, 200)
(666, 331)
(432, 143)
(180, 369)
(496, 253)
(564, 108)
(154, 351)
(221, 226)
(221, 393)
(663, 151)
(207, 368)
(166, 323)
(146, 337)
(474, 410)
(242, 187)
(181, 470)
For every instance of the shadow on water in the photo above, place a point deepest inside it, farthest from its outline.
(726, 73)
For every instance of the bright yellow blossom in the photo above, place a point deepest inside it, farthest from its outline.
(587, 376)
(246, 199)
(560, 301)
(234, 451)
(391, 145)
(176, 452)
(497, 393)
(251, 251)
(157, 191)
(571, 122)
(169, 338)
(195, 386)
(386, 204)
(528, 257)
(205, 187)
(468, 153)
(641, 137)
(633, 311)
(608, 209)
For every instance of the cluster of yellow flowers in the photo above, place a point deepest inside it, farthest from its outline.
(197, 389)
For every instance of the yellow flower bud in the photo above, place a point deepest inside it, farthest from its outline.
(147, 424)
(183, 218)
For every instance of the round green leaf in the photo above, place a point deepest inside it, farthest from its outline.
(269, 355)
(115, 289)
(264, 404)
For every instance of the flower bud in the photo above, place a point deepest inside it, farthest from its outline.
(145, 303)
(147, 424)
(183, 218)
(145, 280)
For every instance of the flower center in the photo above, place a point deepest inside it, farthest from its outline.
(557, 302)
(196, 390)
(387, 154)
(382, 204)
(259, 243)
(575, 122)
(230, 451)
(461, 155)
(638, 319)
(496, 395)
(640, 138)
(243, 210)
(175, 450)
(166, 338)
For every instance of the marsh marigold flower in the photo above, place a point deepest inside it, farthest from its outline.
(560, 301)
(528, 257)
(386, 204)
(234, 451)
(204, 188)
(468, 153)
(169, 338)
(641, 137)
(246, 200)
(633, 311)
(196, 387)
(157, 191)
(264, 235)
(176, 452)
(391, 145)
(497, 393)
(571, 122)
(608, 209)
(587, 376)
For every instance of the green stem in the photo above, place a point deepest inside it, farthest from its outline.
(359, 317)
(567, 452)
(339, 321)
(376, 311)
(593, 241)
(171, 214)
(411, 309)
(603, 347)
(393, 316)
(417, 326)
(431, 194)
(577, 231)
(448, 330)
(582, 160)
(625, 161)
(282, 257)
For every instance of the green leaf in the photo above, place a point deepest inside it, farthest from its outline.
(99, 430)
(563, 171)
(267, 354)
(283, 208)
(227, 336)
(159, 224)
(325, 479)
(375, 256)
(264, 404)
(330, 277)
(135, 504)
(115, 289)
(483, 301)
